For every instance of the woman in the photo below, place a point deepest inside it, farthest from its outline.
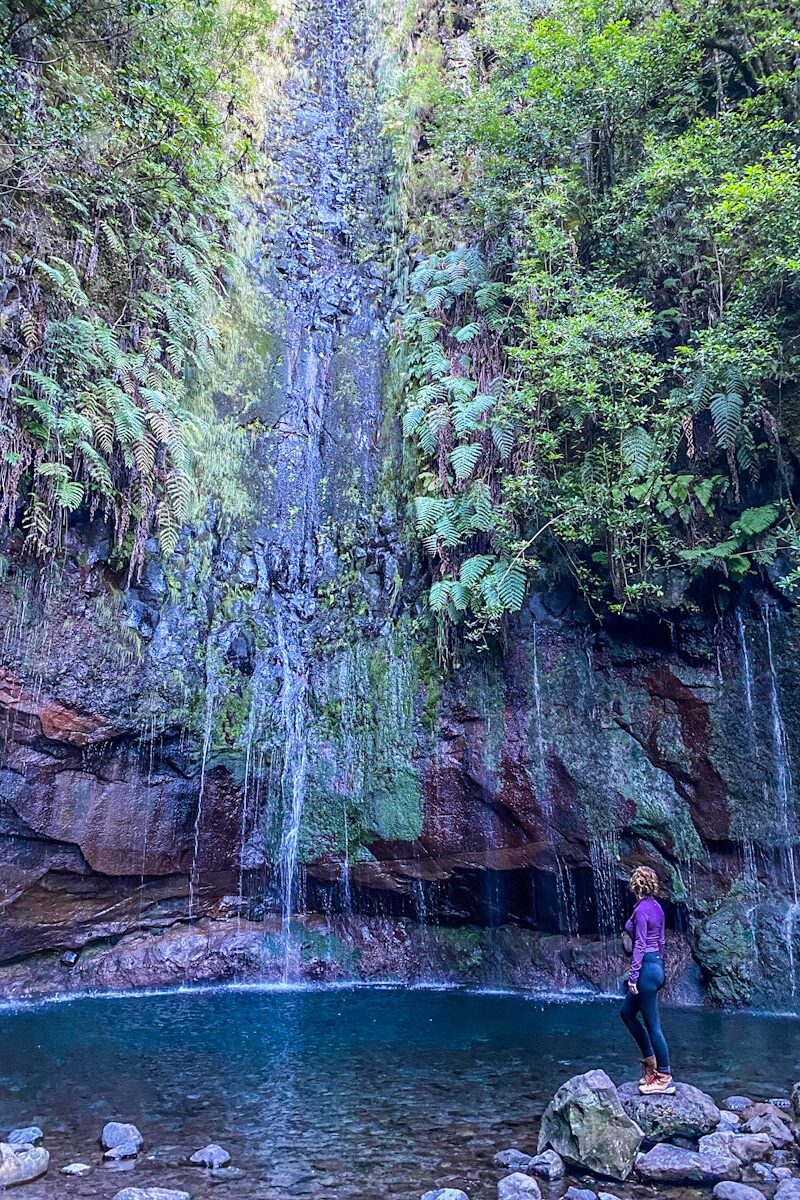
(646, 931)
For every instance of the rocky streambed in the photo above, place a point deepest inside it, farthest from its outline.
(743, 1150)
(365, 1094)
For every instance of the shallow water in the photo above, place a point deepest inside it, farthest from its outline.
(340, 1094)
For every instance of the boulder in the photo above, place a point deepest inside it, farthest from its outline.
(151, 1193)
(76, 1169)
(31, 1135)
(747, 1147)
(547, 1165)
(689, 1113)
(788, 1189)
(575, 1193)
(119, 1133)
(518, 1187)
(442, 1194)
(780, 1173)
(671, 1164)
(20, 1164)
(515, 1160)
(586, 1124)
(729, 1190)
(737, 1104)
(212, 1156)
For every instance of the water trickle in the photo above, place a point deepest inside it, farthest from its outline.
(537, 697)
(782, 767)
(212, 684)
(604, 855)
(567, 898)
(347, 899)
(292, 712)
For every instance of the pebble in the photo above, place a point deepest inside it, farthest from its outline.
(728, 1190)
(117, 1133)
(446, 1194)
(548, 1165)
(518, 1187)
(76, 1169)
(29, 1136)
(225, 1174)
(213, 1156)
(153, 1193)
(123, 1150)
(515, 1160)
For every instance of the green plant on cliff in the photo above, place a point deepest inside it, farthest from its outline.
(123, 127)
(601, 377)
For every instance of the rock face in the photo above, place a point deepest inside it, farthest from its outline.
(286, 620)
(690, 1113)
(21, 1163)
(586, 1124)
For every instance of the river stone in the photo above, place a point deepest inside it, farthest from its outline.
(20, 1164)
(123, 1150)
(747, 1147)
(547, 1165)
(30, 1136)
(76, 1169)
(211, 1156)
(606, 1196)
(729, 1190)
(152, 1193)
(771, 1124)
(515, 1160)
(729, 1122)
(586, 1124)
(789, 1189)
(518, 1187)
(576, 1193)
(737, 1104)
(795, 1110)
(671, 1164)
(689, 1113)
(227, 1175)
(446, 1194)
(119, 1133)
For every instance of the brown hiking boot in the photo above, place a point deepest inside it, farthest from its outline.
(649, 1069)
(659, 1084)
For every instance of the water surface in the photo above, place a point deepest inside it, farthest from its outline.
(343, 1094)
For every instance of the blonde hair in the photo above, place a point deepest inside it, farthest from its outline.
(644, 882)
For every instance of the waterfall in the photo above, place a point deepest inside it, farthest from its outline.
(347, 899)
(567, 898)
(537, 698)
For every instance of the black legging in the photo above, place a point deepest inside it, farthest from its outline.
(649, 1037)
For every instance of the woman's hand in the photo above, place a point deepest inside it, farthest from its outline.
(633, 988)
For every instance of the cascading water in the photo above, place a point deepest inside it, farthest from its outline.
(292, 708)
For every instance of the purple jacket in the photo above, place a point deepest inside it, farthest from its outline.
(646, 930)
